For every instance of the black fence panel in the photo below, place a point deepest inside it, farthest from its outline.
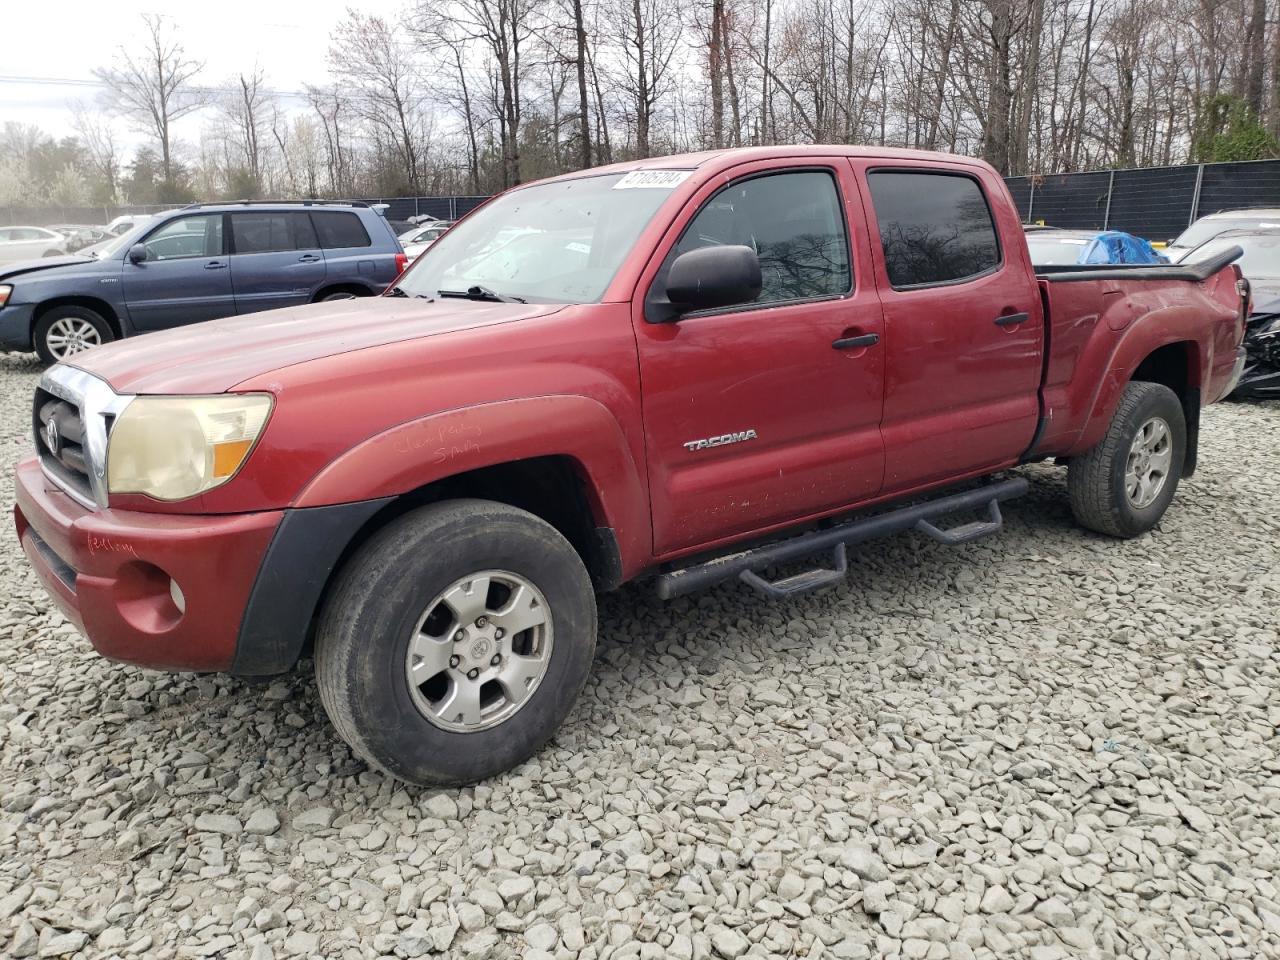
(1076, 201)
(1154, 203)
(1231, 186)
(1020, 187)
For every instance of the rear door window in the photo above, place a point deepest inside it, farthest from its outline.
(337, 229)
(934, 227)
(272, 232)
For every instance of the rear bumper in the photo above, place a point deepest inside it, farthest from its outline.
(1237, 371)
(111, 573)
(15, 327)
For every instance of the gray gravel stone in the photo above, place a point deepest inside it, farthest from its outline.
(262, 823)
(1045, 744)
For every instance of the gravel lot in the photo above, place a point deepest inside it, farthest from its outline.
(1045, 744)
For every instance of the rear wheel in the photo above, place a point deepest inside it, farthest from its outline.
(64, 331)
(340, 295)
(1123, 486)
(456, 641)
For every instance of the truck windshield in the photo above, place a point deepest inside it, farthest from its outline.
(559, 242)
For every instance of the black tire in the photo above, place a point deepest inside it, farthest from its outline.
(40, 335)
(340, 295)
(1096, 481)
(362, 641)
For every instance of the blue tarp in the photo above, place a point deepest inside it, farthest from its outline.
(1113, 246)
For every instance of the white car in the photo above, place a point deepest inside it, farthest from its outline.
(30, 243)
(417, 240)
(123, 224)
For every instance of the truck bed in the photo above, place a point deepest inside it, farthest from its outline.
(1199, 272)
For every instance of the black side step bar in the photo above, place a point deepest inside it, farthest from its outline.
(747, 564)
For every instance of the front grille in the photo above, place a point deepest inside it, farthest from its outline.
(62, 447)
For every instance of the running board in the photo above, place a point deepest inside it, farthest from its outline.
(746, 565)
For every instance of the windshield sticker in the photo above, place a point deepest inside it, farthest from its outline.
(576, 247)
(652, 180)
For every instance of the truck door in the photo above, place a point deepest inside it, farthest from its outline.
(184, 278)
(763, 413)
(963, 322)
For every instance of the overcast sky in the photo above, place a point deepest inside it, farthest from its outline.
(47, 44)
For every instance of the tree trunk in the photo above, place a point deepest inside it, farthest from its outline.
(1255, 60)
(995, 139)
(584, 109)
(644, 99)
(715, 65)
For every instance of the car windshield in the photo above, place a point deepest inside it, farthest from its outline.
(1050, 251)
(1208, 228)
(1261, 254)
(557, 242)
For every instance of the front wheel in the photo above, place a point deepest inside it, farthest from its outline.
(1123, 486)
(456, 641)
(64, 331)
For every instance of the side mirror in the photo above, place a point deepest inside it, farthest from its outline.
(138, 253)
(714, 277)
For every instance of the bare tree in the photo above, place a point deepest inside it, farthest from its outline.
(99, 140)
(154, 87)
(245, 103)
(388, 91)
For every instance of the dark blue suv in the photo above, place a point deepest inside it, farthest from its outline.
(198, 263)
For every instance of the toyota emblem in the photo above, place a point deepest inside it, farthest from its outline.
(51, 438)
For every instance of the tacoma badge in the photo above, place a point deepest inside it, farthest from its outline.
(720, 441)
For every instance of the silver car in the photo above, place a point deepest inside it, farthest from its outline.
(30, 243)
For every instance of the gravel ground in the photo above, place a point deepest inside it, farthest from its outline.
(1046, 744)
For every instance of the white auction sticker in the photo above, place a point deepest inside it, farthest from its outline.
(652, 179)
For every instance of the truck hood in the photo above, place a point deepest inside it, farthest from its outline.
(215, 356)
(18, 268)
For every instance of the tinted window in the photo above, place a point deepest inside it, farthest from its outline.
(794, 224)
(339, 229)
(197, 236)
(934, 227)
(271, 232)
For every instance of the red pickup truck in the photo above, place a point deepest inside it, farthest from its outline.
(689, 369)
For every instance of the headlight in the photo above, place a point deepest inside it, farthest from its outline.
(172, 448)
(5, 290)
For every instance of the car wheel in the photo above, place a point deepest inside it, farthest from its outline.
(1123, 486)
(65, 331)
(338, 295)
(455, 641)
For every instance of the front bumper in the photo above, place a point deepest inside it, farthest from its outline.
(15, 327)
(111, 573)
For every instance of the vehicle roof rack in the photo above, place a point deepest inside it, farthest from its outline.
(272, 203)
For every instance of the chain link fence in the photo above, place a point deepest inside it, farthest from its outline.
(1156, 202)
(398, 208)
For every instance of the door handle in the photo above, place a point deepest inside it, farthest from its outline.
(215, 265)
(308, 258)
(1012, 319)
(852, 343)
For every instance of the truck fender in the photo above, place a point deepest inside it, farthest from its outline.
(422, 451)
(1135, 343)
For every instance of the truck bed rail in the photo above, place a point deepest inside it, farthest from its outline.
(1199, 272)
